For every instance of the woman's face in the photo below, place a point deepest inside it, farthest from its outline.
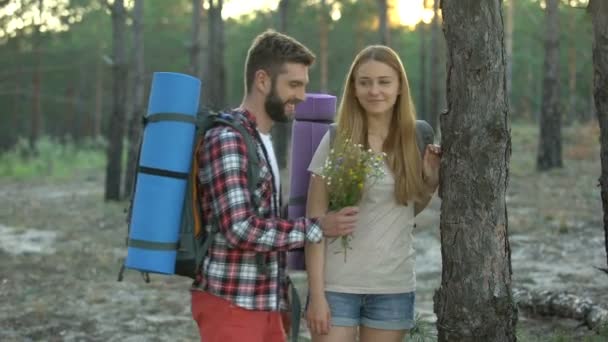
(376, 87)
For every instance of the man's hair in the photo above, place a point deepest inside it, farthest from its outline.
(269, 51)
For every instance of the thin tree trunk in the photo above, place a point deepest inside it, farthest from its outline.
(550, 142)
(599, 17)
(36, 121)
(528, 110)
(323, 45)
(359, 30)
(283, 15)
(205, 57)
(572, 75)
(69, 130)
(281, 131)
(509, 9)
(195, 45)
(81, 118)
(422, 101)
(220, 55)
(592, 111)
(216, 83)
(138, 97)
(117, 121)
(433, 114)
(474, 301)
(384, 29)
(571, 107)
(98, 107)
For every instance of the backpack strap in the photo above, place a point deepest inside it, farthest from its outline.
(169, 117)
(296, 311)
(253, 176)
(253, 159)
(424, 135)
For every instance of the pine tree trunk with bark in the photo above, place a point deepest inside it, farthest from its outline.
(283, 15)
(384, 30)
(435, 99)
(195, 44)
(474, 301)
(599, 18)
(139, 105)
(550, 138)
(36, 118)
(422, 100)
(116, 130)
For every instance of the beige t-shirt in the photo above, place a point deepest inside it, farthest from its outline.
(382, 257)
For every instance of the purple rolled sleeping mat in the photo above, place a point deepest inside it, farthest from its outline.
(312, 120)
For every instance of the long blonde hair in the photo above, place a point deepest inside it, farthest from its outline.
(400, 145)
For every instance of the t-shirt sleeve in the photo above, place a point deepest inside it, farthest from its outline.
(318, 159)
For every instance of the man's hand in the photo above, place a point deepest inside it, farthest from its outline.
(340, 223)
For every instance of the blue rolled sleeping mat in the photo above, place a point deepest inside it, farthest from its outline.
(164, 163)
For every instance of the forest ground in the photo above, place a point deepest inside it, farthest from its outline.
(61, 247)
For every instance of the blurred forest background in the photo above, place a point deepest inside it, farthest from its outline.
(58, 58)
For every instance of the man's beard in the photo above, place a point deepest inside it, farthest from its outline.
(275, 107)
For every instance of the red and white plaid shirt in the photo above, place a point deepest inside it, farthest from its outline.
(230, 269)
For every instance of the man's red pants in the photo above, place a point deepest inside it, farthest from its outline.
(219, 320)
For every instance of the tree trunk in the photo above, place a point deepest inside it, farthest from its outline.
(283, 15)
(36, 120)
(98, 109)
(281, 131)
(474, 301)
(117, 121)
(195, 47)
(359, 30)
(571, 110)
(217, 73)
(138, 97)
(433, 114)
(212, 87)
(550, 142)
(82, 127)
(571, 114)
(564, 305)
(509, 8)
(528, 108)
(204, 57)
(384, 30)
(422, 100)
(323, 45)
(221, 48)
(69, 130)
(599, 17)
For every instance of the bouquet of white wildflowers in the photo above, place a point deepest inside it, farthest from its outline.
(347, 169)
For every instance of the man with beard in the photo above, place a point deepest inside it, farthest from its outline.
(241, 289)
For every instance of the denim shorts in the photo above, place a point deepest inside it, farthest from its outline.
(378, 311)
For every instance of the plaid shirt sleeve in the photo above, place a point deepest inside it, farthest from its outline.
(224, 163)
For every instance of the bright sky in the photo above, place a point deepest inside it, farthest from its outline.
(410, 12)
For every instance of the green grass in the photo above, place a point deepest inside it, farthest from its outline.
(53, 160)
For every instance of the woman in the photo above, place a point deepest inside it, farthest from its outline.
(371, 293)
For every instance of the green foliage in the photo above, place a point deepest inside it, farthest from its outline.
(53, 160)
(75, 65)
(423, 331)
